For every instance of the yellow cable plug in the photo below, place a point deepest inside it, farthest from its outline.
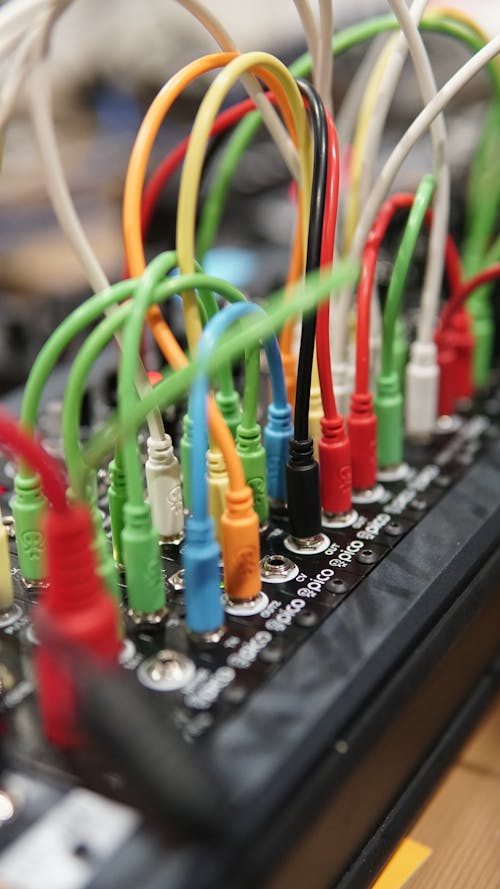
(218, 484)
(6, 585)
(241, 547)
(315, 408)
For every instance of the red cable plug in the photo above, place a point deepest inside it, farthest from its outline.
(362, 430)
(335, 466)
(446, 360)
(77, 610)
(463, 345)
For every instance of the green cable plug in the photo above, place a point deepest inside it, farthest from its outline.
(483, 328)
(253, 458)
(28, 509)
(117, 496)
(141, 552)
(185, 455)
(388, 405)
(400, 352)
(106, 566)
(229, 406)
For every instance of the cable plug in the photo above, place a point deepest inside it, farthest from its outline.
(277, 434)
(106, 565)
(483, 329)
(218, 483)
(343, 387)
(388, 405)
(463, 343)
(81, 612)
(335, 467)
(28, 508)
(362, 431)
(400, 352)
(241, 547)
(200, 558)
(229, 406)
(117, 498)
(315, 416)
(6, 585)
(141, 552)
(163, 478)
(302, 485)
(186, 445)
(422, 389)
(253, 458)
(446, 363)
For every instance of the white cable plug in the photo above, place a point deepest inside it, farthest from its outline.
(343, 381)
(422, 390)
(163, 477)
(6, 585)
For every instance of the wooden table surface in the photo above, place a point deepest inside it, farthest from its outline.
(461, 823)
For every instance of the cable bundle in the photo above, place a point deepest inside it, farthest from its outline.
(228, 469)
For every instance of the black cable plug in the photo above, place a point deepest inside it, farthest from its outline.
(302, 471)
(302, 483)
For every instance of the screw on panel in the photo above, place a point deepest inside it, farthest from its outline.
(166, 671)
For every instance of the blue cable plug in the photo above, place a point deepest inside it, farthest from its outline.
(277, 434)
(186, 447)
(200, 557)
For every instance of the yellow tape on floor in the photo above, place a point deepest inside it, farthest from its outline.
(409, 856)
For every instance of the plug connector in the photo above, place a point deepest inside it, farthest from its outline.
(186, 447)
(253, 458)
(343, 387)
(200, 558)
(422, 390)
(315, 416)
(277, 434)
(217, 485)
(446, 359)
(362, 431)
(463, 342)
(105, 563)
(141, 553)
(335, 467)
(79, 611)
(229, 406)
(117, 498)
(388, 405)
(241, 547)
(483, 329)
(302, 485)
(29, 508)
(6, 585)
(163, 478)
